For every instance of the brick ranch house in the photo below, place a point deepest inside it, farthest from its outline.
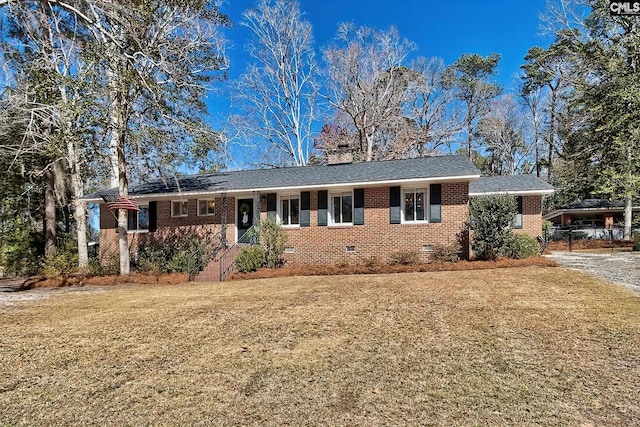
(331, 213)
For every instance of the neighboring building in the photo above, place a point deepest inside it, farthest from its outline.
(594, 217)
(331, 213)
(591, 213)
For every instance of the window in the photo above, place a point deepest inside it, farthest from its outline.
(138, 220)
(206, 207)
(342, 208)
(179, 208)
(517, 221)
(415, 202)
(290, 210)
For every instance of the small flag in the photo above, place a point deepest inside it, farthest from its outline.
(115, 202)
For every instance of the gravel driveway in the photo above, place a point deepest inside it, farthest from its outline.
(618, 267)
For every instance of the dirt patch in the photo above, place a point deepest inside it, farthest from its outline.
(389, 269)
(135, 278)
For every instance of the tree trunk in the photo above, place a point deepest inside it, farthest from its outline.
(628, 215)
(552, 132)
(79, 215)
(49, 213)
(118, 121)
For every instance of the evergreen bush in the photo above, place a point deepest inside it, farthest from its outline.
(491, 220)
(250, 259)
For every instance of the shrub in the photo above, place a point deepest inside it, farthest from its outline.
(446, 253)
(491, 218)
(250, 259)
(273, 241)
(61, 263)
(547, 230)
(524, 246)
(372, 262)
(404, 258)
(183, 254)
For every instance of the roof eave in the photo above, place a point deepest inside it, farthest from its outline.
(514, 193)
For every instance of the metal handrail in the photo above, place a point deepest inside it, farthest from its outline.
(226, 260)
(250, 237)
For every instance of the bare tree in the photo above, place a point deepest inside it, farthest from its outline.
(534, 101)
(278, 91)
(365, 81)
(502, 131)
(435, 123)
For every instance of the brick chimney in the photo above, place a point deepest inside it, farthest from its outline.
(340, 156)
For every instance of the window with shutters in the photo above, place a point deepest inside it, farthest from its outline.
(414, 205)
(341, 210)
(179, 208)
(517, 221)
(206, 207)
(290, 210)
(138, 221)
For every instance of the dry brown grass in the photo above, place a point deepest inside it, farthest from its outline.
(521, 346)
(381, 268)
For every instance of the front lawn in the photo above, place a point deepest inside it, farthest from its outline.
(520, 346)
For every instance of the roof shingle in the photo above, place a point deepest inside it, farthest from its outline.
(530, 184)
(309, 176)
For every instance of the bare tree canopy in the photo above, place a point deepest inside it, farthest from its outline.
(367, 81)
(278, 91)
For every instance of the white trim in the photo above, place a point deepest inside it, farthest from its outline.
(330, 219)
(138, 229)
(427, 202)
(206, 200)
(181, 215)
(364, 184)
(279, 208)
(514, 193)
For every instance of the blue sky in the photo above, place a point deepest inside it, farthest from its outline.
(445, 29)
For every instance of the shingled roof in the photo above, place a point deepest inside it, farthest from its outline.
(512, 184)
(369, 173)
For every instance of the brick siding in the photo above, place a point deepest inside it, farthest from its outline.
(168, 227)
(377, 237)
(327, 245)
(531, 216)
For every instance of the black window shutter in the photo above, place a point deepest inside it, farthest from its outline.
(153, 216)
(305, 205)
(519, 200)
(358, 206)
(271, 205)
(322, 207)
(394, 205)
(435, 203)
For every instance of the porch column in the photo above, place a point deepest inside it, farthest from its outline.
(223, 221)
(256, 208)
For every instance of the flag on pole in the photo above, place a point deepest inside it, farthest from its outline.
(115, 202)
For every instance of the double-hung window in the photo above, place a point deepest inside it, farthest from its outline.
(415, 202)
(206, 207)
(342, 208)
(137, 221)
(179, 208)
(290, 210)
